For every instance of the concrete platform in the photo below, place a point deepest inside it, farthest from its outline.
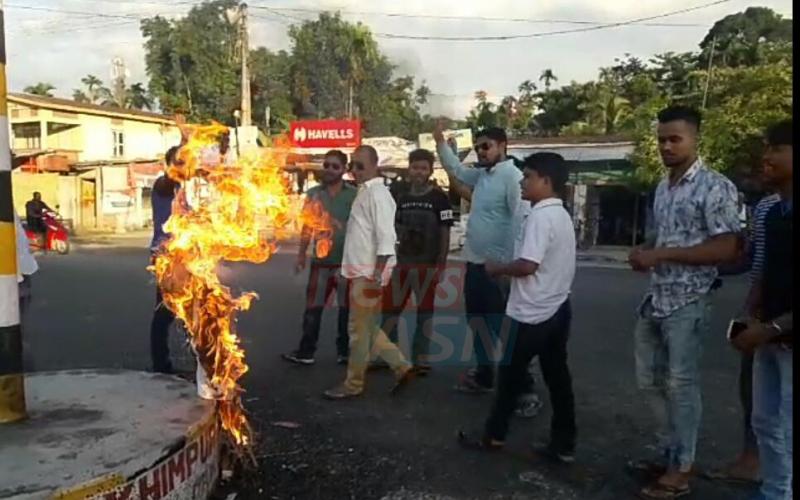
(111, 435)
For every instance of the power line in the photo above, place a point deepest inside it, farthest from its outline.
(548, 33)
(462, 18)
(639, 20)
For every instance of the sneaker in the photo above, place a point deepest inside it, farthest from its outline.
(339, 393)
(298, 359)
(529, 406)
(342, 360)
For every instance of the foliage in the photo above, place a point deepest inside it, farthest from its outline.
(741, 38)
(42, 88)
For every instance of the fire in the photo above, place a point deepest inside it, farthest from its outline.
(226, 225)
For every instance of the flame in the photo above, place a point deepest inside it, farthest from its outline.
(318, 224)
(227, 225)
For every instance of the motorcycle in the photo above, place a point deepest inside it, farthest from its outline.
(56, 238)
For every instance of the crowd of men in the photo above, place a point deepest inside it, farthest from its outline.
(520, 254)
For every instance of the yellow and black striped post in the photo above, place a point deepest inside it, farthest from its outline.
(12, 388)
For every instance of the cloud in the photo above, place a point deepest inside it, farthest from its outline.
(61, 48)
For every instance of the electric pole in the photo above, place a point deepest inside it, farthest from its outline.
(244, 40)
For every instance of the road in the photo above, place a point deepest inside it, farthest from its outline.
(92, 309)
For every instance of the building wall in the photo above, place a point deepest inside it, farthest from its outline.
(24, 184)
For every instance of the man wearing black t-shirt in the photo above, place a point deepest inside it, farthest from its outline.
(423, 220)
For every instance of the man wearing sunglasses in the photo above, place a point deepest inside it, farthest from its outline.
(336, 198)
(369, 256)
(495, 206)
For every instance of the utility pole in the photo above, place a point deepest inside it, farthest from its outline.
(244, 39)
(267, 113)
(12, 385)
(708, 74)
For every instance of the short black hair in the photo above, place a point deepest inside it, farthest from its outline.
(780, 134)
(421, 155)
(550, 165)
(171, 155)
(677, 112)
(338, 155)
(373, 154)
(493, 133)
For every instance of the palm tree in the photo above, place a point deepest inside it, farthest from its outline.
(547, 77)
(137, 97)
(606, 111)
(42, 88)
(95, 91)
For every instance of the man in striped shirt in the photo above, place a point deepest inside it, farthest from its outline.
(745, 467)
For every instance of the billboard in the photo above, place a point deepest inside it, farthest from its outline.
(325, 133)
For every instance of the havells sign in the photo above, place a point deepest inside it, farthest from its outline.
(325, 133)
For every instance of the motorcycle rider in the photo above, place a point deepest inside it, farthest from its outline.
(34, 213)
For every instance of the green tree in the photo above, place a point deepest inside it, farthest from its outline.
(740, 38)
(193, 63)
(557, 108)
(42, 88)
(137, 97)
(95, 92)
(271, 77)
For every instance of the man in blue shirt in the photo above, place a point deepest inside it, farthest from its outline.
(494, 216)
(163, 195)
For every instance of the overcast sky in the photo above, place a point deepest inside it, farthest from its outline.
(61, 47)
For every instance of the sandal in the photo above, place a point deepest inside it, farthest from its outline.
(659, 491)
(422, 370)
(470, 442)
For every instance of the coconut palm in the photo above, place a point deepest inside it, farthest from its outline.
(547, 77)
(42, 88)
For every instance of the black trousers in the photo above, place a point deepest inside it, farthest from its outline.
(159, 336)
(323, 281)
(485, 301)
(548, 340)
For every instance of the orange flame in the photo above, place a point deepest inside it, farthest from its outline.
(318, 224)
(224, 226)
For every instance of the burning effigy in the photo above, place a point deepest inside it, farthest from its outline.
(246, 209)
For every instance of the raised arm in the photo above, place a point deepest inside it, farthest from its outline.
(450, 161)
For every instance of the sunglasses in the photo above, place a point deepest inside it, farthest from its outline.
(356, 165)
(484, 146)
(331, 165)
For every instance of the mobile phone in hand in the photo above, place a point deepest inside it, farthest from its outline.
(735, 327)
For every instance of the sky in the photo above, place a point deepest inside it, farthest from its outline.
(60, 41)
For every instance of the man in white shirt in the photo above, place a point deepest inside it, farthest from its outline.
(26, 267)
(539, 309)
(369, 255)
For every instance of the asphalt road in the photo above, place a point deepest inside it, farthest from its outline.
(92, 309)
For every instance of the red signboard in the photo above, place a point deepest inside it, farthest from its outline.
(325, 133)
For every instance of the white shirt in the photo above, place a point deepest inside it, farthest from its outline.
(26, 263)
(548, 239)
(370, 231)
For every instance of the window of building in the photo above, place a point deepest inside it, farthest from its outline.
(119, 143)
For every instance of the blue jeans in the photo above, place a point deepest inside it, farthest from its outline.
(668, 352)
(772, 420)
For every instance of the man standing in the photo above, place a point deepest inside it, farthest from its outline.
(770, 334)
(538, 309)
(695, 228)
(423, 221)
(369, 255)
(745, 468)
(162, 198)
(324, 279)
(493, 219)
